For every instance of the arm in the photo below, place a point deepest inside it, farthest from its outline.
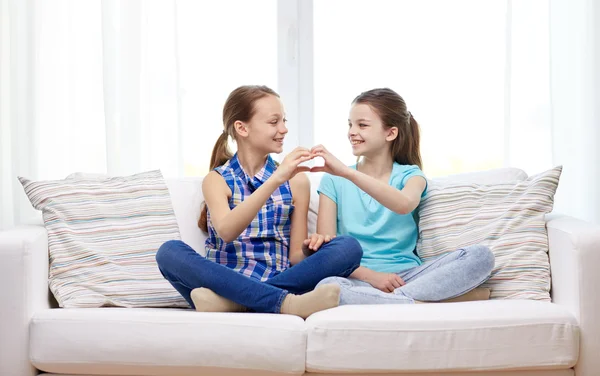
(574, 247)
(24, 277)
(399, 201)
(300, 186)
(230, 223)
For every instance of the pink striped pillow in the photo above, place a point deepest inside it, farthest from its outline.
(507, 217)
(103, 234)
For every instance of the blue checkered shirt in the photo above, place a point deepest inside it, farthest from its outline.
(262, 250)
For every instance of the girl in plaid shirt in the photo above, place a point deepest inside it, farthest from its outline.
(256, 218)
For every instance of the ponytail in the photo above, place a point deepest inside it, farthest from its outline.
(220, 155)
(408, 149)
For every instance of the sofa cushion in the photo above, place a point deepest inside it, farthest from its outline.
(169, 342)
(103, 234)
(187, 198)
(489, 335)
(507, 217)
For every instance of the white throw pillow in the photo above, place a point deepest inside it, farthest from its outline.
(507, 217)
(103, 234)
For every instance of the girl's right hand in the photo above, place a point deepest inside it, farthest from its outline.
(386, 282)
(289, 167)
(332, 165)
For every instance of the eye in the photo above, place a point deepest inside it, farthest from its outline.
(274, 121)
(362, 125)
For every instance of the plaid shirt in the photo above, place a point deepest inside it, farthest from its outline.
(262, 250)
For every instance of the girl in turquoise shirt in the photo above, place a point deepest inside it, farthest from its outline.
(374, 200)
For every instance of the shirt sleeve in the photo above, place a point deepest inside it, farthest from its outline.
(410, 172)
(327, 187)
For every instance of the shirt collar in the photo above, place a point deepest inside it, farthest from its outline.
(257, 180)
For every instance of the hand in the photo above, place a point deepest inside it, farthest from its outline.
(332, 165)
(289, 167)
(314, 242)
(386, 282)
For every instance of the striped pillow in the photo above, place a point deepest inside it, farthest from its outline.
(103, 234)
(507, 217)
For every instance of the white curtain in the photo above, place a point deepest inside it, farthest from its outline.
(118, 87)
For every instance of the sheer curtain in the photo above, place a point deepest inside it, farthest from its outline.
(119, 87)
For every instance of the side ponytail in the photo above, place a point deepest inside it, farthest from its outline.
(220, 155)
(410, 152)
(238, 107)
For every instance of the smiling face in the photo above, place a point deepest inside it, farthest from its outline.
(366, 131)
(266, 130)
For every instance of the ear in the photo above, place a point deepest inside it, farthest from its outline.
(392, 133)
(241, 128)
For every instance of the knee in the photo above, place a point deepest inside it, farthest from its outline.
(484, 257)
(352, 248)
(330, 280)
(165, 252)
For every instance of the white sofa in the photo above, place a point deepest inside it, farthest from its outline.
(496, 338)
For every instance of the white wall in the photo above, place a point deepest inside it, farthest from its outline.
(575, 91)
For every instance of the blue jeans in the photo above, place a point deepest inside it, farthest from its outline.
(446, 277)
(186, 270)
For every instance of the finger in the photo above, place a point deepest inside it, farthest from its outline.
(327, 239)
(317, 147)
(319, 242)
(304, 158)
(302, 169)
(313, 239)
(402, 283)
(317, 169)
(306, 241)
(396, 283)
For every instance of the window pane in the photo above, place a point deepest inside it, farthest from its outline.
(446, 59)
(220, 48)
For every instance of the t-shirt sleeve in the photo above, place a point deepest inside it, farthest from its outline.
(327, 187)
(410, 172)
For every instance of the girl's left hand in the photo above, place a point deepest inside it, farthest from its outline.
(314, 242)
(332, 166)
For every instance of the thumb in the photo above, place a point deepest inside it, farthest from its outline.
(317, 169)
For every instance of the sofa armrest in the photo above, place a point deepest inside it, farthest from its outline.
(24, 283)
(575, 267)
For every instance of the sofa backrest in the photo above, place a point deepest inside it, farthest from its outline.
(186, 194)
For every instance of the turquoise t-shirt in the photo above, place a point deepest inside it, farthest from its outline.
(388, 239)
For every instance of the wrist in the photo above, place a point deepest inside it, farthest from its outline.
(348, 173)
(277, 179)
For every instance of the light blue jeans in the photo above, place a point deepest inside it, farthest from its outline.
(446, 277)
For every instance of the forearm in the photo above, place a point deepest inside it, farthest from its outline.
(361, 273)
(240, 217)
(385, 194)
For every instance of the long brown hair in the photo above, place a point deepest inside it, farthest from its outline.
(238, 106)
(392, 110)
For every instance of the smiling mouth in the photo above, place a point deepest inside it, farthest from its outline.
(280, 140)
(356, 142)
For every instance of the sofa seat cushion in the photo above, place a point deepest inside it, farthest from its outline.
(485, 335)
(155, 341)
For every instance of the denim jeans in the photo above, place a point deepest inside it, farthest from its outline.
(446, 277)
(186, 270)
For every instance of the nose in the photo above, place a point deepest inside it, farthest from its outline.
(282, 128)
